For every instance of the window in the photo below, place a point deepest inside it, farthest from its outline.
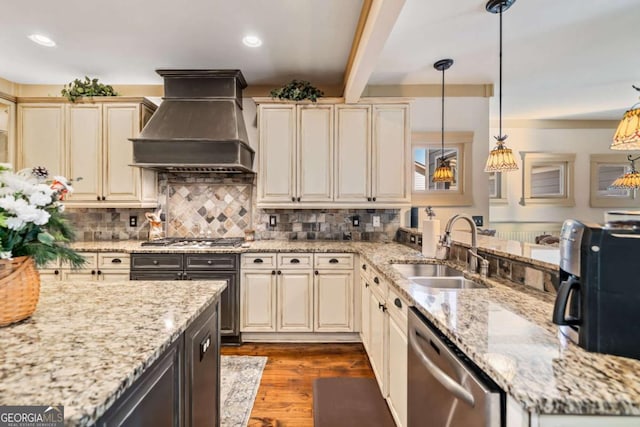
(605, 168)
(547, 178)
(426, 155)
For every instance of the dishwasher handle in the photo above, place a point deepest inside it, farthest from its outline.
(445, 380)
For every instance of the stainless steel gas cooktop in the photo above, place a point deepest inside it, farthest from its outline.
(195, 242)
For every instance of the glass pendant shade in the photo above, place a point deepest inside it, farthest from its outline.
(627, 135)
(501, 160)
(443, 173)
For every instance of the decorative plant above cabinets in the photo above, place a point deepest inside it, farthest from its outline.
(87, 87)
(297, 90)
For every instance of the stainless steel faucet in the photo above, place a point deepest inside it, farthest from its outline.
(473, 256)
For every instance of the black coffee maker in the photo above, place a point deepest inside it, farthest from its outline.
(598, 301)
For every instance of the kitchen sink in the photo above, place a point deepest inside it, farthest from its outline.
(426, 270)
(446, 283)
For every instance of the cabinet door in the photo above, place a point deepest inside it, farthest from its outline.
(258, 301)
(121, 181)
(365, 320)
(84, 275)
(295, 303)
(390, 142)
(333, 296)
(315, 153)
(397, 373)
(353, 153)
(84, 151)
(378, 341)
(41, 137)
(277, 153)
(229, 299)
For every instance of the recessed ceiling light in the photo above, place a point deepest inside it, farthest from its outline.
(252, 41)
(42, 40)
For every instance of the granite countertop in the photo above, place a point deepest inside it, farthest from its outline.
(87, 342)
(505, 329)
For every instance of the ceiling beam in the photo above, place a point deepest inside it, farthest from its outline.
(380, 19)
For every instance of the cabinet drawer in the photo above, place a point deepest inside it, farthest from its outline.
(365, 269)
(113, 260)
(398, 308)
(156, 262)
(334, 261)
(377, 284)
(253, 261)
(293, 261)
(91, 257)
(211, 261)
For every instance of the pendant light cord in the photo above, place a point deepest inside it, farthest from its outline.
(500, 79)
(442, 126)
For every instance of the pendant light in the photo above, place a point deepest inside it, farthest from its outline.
(443, 172)
(631, 179)
(500, 158)
(627, 135)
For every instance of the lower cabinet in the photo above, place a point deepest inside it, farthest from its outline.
(182, 387)
(100, 266)
(297, 292)
(365, 329)
(378, 334)
(398, 346)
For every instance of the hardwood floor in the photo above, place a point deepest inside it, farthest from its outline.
(285, 397)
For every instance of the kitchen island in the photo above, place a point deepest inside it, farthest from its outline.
(90, 343)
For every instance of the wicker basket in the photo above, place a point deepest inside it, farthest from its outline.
(19, 289)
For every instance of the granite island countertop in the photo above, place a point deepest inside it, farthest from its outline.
(505, 329)
(87, 342)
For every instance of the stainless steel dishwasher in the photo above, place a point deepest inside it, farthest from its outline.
(445, 388)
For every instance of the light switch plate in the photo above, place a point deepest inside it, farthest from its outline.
(133, 220)
(479, 220)
(376, 221)
(273, 221)
(355, 221)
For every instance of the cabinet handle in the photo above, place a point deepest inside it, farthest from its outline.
(316, 272)
(155, 262)
(93, 272)
(295, 261)
(273, 272)
(258, 261)
(333, 261)
(279, 272)
(116, 261)
(293, 199)
(376, 280)
(397, 302)
(368, 199)
(56, 272)
(374, 199)
(209, 262)
(382, 307)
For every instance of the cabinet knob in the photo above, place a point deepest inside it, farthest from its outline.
(397, 302)
(209, 262)
(155, 262)
(99, 272)
(366, 285)
(374, 199)
(279, 272)
(376, 280)
(293, 199)
(104, 198)
(179, 274)
(56, 272)
(98, 198)
(382, 307)
(368, 199)
(316, 272)
(273, 272)
(93, 272)
(298, 198)
(258, 261)
(364, 266)
(333, 261)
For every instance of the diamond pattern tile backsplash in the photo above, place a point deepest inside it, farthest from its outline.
(208, 210)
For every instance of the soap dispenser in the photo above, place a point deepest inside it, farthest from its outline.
(430, 234)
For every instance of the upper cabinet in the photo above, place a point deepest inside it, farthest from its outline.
(89, 143)
(326, 154)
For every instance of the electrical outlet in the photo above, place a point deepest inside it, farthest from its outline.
(376, 221)
(355, 221)
(412, 239)
(478, 219)
(133, 220)
(273, 220)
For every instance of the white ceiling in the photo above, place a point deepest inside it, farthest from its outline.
(562, 59)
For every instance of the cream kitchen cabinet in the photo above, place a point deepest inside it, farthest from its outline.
(333, 293)
(276, 293)
(397, 357)
(332, 154)
(101, 266)
(372, 144)
(88, 141)
(296, 154)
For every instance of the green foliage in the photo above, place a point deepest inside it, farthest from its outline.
(87, 87)
(297, 90)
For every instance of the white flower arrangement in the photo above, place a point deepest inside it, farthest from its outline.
(31, 221)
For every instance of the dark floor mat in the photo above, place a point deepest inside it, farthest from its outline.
(349, 402)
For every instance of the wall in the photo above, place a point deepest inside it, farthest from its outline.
(583, 138)
(461, 114)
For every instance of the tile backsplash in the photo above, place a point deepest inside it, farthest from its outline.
(224, 205)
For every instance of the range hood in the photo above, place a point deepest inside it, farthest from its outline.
(199, 126)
